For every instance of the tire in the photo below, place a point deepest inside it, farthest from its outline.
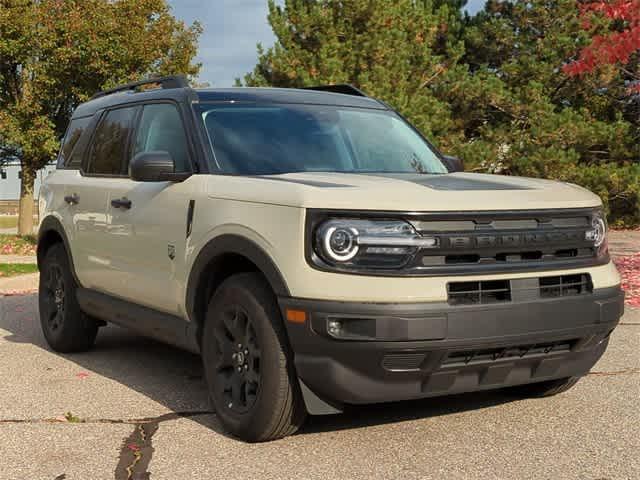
(66, 328)
(244, 330)
(544, 389)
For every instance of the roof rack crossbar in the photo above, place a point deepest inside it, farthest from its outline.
(343, 88)
(174, 81)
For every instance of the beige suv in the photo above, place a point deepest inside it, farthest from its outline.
(317, 251)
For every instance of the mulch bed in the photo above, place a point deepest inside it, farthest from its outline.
(629, 268)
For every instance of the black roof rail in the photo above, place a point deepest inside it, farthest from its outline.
(173, 81)
(343, 88)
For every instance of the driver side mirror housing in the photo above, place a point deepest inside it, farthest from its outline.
(155, 167)
(453, 164)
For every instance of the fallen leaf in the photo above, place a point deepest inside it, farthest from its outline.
(629, 268)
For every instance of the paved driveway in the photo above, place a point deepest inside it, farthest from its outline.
(133, 403)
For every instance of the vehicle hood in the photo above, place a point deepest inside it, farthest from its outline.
(403, 192)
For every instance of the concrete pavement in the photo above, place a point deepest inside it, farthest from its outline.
(18, 259)
(134, 403)
(19, 284)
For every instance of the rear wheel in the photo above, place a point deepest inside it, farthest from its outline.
(66, 328)
(544, 389)
(247, 362)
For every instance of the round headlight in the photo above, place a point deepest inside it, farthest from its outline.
(598, 232)
(340, 243)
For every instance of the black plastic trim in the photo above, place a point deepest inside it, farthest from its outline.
(146, 321)
(231, 244)
(344, 88)
(190, 213)
(52, 224)
(353, 372)
(168, 82)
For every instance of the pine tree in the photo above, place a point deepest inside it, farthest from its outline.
(397, 50)
(523, 116)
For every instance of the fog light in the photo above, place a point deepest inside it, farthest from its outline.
(334, 327)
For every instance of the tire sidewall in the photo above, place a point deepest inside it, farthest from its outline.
(54, 257)
(78, 331)
(262, 317)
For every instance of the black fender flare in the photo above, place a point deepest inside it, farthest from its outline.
(53, 224)
(232, 244)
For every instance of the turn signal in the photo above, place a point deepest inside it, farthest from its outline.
(296, 316)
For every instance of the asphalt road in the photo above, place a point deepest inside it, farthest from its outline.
(139, 404)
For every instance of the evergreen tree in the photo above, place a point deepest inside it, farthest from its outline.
(522, 115)
(396, 50)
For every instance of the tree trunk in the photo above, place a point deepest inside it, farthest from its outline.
(25, 218)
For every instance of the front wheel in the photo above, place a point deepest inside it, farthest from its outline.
(248, 363)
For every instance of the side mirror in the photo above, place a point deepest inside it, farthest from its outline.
(453, 164)
(155, 167)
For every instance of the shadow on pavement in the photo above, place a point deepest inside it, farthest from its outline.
(174, 378)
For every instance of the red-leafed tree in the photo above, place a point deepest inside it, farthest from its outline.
(620, 44)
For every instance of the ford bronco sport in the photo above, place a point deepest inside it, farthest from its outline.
(317, 251)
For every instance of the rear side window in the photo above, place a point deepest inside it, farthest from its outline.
(110, 143)
(70, 154)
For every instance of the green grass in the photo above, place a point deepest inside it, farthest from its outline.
(14, 269)
(8, 221)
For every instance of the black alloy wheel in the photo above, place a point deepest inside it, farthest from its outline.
(64, 325)
(238, 360)
(54, 298)
(248, 363)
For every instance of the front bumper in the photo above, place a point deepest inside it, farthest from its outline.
(432, 349)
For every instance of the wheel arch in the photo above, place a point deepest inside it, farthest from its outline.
(219, 259)
(51, 232)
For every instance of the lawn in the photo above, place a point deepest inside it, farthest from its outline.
(8, 221)
(14, 245)
(13, 269)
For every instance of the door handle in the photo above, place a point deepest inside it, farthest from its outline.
(124, 203)
(72, 199)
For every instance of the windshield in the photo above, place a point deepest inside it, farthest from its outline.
(273, 139)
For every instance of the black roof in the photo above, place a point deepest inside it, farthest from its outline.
(239, 94)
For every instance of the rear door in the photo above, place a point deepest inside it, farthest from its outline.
(103, 169)
(147, 221)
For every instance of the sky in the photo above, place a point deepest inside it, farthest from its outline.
(232, 29)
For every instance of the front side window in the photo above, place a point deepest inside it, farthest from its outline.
(69, 157)
(161, 129)
(275, 139)
(110, 143)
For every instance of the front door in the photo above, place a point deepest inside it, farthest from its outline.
(146, 221)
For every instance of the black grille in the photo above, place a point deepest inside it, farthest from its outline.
(521, 289)
(499, 241)
(472, 293)
(402, 362)
(470, 357)
(565, 285)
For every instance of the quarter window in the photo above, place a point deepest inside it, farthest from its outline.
(110, 145)
(161, 129)
(70, 156)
